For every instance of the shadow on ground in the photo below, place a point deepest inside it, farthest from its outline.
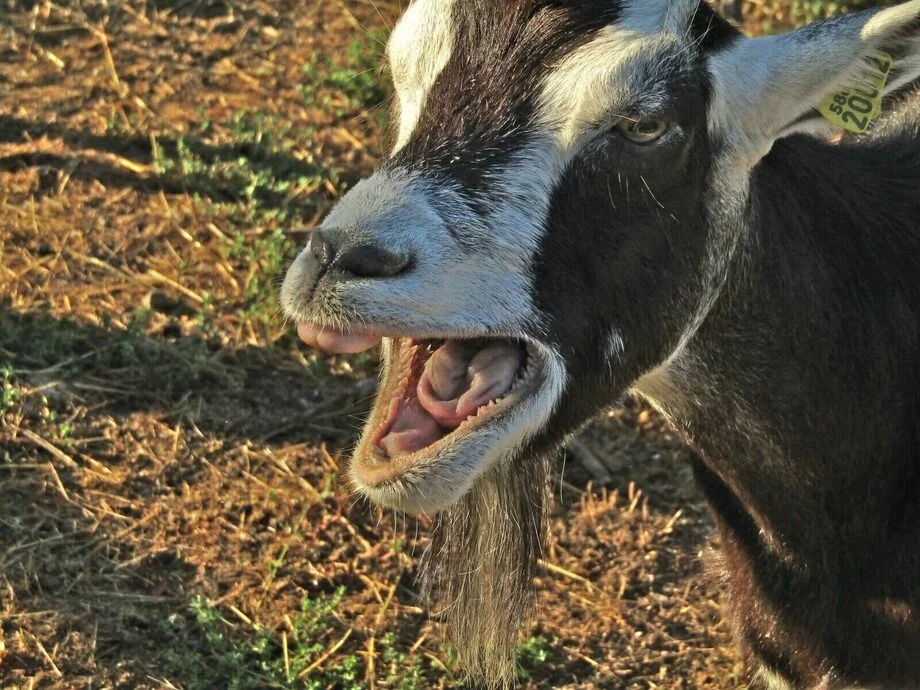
(139, 472)
(148, 474)
(250, 392)
(258, 168)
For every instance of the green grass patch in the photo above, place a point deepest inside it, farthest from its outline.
(254, 169)
(356, 82)
(532, 655)
(271, 253)
(40, 345)
(207, 652)
(10, 394)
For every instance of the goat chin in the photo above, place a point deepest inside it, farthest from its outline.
(478, 570)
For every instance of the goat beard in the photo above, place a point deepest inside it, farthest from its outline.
(478, 571)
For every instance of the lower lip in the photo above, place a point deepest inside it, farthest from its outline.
(374, 469)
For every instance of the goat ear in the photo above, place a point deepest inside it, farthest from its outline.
(769, 87)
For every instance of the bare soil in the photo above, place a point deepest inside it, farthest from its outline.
(169, 454)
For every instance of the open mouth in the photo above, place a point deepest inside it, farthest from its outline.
(436, 397)
(447, 387)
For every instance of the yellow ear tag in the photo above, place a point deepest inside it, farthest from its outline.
(856, 107)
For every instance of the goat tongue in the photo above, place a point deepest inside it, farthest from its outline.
(446, 368)
(457, 381)
(412, 430)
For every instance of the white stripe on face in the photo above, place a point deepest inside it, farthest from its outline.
(589, 85)
(423, 43)
(592, 81)
(420, 46)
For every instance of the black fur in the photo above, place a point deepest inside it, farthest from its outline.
(800, 392)
(803, 383)
(481, 108)
(818, 339)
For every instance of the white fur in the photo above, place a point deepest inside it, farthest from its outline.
(615, 345)
(659, 388)
(888, 21)
(420, 46)
(593, 83)
(444, 294)
(908, 69)
(474, 283)
(771, 680)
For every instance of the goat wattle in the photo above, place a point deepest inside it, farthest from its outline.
(459, 378)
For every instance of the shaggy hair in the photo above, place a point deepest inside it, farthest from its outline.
(479, 567)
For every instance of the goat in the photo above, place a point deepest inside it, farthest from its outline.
(589, 197)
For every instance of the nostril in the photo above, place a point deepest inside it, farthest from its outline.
(321, 248)
(368, 261)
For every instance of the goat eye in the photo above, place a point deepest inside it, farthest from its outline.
(642, 131)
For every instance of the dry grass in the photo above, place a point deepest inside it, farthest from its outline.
(169, 454)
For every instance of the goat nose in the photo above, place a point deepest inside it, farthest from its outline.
(321, 249)
(371, 261)
(332, 252)
(335, 251)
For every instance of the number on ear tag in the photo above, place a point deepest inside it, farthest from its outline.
(855, 108)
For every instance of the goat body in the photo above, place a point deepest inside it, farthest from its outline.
(800, 393)
(596, 196)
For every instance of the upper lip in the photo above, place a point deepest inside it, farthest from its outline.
(392, 332)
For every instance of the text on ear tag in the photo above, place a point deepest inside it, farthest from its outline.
(855, 108)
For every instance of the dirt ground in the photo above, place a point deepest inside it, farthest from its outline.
(169, 454)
